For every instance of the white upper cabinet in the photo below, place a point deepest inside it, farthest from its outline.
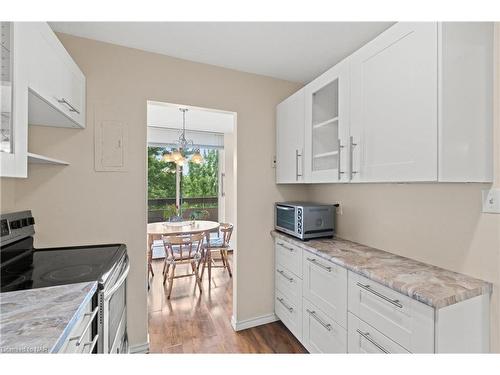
(13, 99)
(413, 105)
(327, 126)
(290, 139)
(394, 107)
(466, 102)
(56, 84)
(41, 85)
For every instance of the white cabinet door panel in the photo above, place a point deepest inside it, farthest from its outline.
(327, 126)
(394, 105)
(363, 338)
(405, 321)
(290, 313)
(289, 256)
(320, 333)
(290, 139)
(325, 285)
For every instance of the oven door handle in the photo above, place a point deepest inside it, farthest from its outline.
(119, 282)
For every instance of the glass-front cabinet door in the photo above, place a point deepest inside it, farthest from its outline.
(6, 86)
(327, 133)
(13, 102)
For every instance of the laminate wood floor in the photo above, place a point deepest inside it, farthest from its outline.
(191, 322)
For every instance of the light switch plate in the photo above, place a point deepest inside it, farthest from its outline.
(491, 201)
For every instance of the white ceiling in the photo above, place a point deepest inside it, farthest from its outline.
(294, 51)
(165, 115)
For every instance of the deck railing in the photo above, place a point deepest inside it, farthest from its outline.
(206, 208)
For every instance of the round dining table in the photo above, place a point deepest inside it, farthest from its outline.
(165, 228)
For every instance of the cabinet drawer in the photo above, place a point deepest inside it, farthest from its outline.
(325, 285)
(290, 256)
(320, 333)
(404, 320)
(363, 338)
(288, 283)
(80, 338)
(289, 312)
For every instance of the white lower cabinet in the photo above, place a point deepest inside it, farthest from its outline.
(363, 338)
(406, 321)
(325, 285)
(320, 333)
(290, 312)
(332, 310)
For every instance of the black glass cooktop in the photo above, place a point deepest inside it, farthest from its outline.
(23, 267)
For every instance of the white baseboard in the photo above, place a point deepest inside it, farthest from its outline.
(139, 348)
(253, 322)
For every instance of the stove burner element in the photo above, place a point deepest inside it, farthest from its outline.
(66, 274)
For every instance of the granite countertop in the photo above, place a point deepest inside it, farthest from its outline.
(434, 286)
(40, 320)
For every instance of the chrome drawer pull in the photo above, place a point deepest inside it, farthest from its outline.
(368, 288)
(286, 247)
(282, 273)
(366, 336)
(71, 108)
(314, 261)
(289, 308)
(92, 344)
(328, 326)
(87, 326)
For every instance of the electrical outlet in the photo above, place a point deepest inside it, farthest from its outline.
(339, 208)
(491, 201)
(273, 161)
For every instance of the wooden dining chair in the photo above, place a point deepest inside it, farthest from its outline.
(220, 245)
(186, 249)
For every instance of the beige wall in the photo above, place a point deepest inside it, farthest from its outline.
(76, 205)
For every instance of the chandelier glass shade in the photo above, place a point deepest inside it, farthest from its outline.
(183, 147)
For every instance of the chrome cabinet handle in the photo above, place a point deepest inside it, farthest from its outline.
(314, 261)
(368, 288)
(286, 247)
(297, 175)
(366, 336)
(351, 141)
(92, 344)
(71, 108)
(289, 308)
(87, 326)
(339, 172)
(282, 273)
(327, 326)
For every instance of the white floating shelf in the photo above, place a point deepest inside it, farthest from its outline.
(324, 123)
(40, 159)
(325, 154)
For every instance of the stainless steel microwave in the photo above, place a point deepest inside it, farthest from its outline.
(305, 220)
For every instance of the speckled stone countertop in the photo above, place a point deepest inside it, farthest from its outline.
(40, 320)
(434, 286)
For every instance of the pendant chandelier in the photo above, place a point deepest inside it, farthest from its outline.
(183, 146)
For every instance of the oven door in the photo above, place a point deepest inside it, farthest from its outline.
(285, 219)
(114, 327)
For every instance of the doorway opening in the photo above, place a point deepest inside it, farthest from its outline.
(191, 181)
